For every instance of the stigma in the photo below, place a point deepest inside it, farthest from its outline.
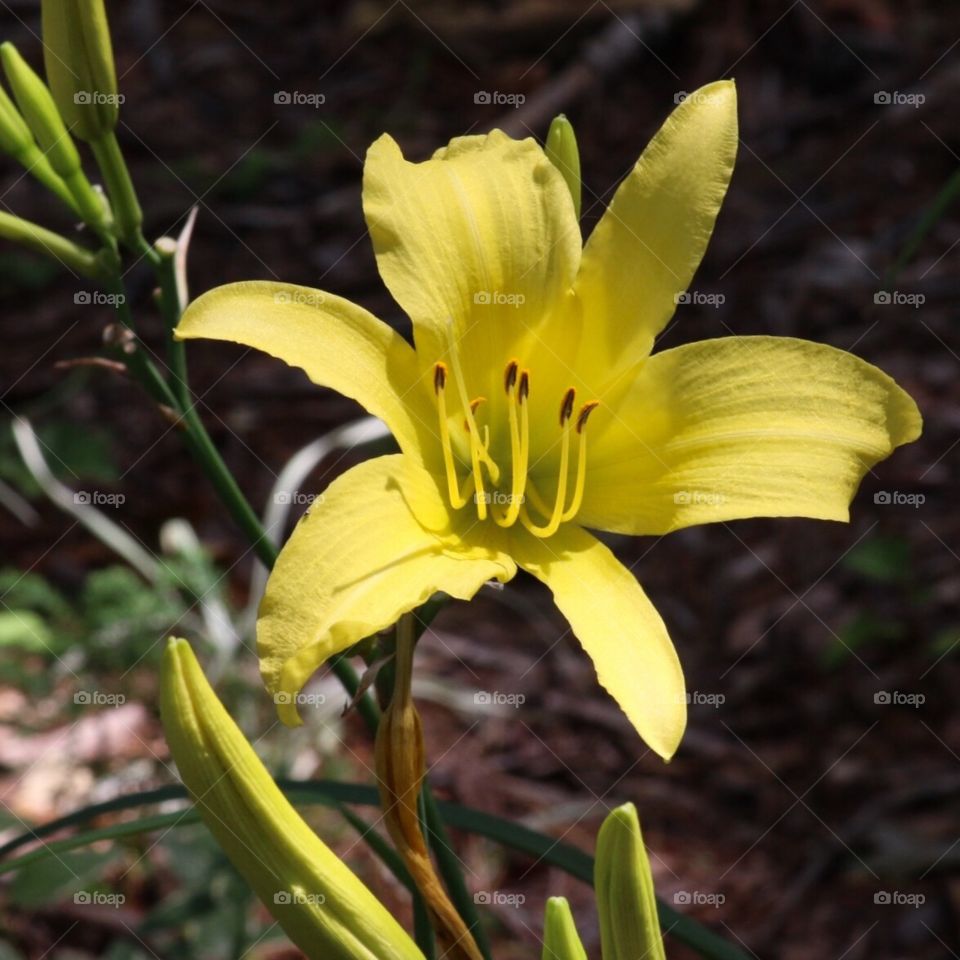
(511, 496)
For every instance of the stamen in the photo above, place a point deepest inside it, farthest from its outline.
(482, 454)
(557, 514)
(453, 484)
(581, 483)
(510, 376)
(519, 442)
(473, 409)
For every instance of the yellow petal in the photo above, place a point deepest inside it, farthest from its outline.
(338, 344)
(618, 627)
(742, 427)
(356, 562)
(483, 234)
(647, 245)
(313, 895)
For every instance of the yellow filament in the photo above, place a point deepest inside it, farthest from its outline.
(557, 513)
(519, 447)
(581, 483)
(453, 485)
(480, 453)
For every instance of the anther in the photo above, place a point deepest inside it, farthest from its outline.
(584, 414)
(510, 376)
(439, 376)
(566, 407)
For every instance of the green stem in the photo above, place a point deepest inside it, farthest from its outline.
(127, 215)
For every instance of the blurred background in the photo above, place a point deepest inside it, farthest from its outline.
(811, 810)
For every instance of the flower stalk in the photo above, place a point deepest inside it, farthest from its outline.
(401, 768)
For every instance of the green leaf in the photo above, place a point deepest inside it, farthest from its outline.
(332, 793)
(24, 629)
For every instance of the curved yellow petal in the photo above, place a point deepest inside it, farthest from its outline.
(482, 234)
(618, 627)
(742, 427)
(358, 560)
(645, 249)
(337, 343)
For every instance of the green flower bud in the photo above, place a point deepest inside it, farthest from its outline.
(323, 907)
(40, 112)
(629, 926)
(560, 938)
(78, 58)
(50, 244)
(562, 151)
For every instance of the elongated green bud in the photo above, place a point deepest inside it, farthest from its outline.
(629, 926)
(40, 112)
(38, 109)
(71, 255)
(323, 907)
(78, 58)
(560, 938)
(563, 153)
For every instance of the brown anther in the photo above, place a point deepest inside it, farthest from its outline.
(439, 376)
(566, 408)
(585, 412)
(510, 375)
(523, 391)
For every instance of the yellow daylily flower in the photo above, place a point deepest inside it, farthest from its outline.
(529, 344)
